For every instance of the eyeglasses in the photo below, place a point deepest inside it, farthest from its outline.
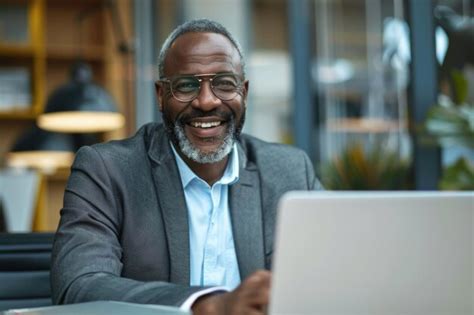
(186, 88)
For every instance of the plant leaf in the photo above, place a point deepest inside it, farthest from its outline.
(459, 176)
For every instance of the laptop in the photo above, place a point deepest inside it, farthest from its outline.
(381, 253)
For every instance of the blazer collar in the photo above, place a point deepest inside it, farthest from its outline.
(246, 214)
(159, 149)
(172, 204)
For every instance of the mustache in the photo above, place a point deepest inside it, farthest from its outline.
(186, 117)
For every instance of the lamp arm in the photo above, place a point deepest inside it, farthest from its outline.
(124, 46)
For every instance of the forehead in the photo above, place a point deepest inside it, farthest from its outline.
(195, 53)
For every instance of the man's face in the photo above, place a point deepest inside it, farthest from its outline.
(205, 128)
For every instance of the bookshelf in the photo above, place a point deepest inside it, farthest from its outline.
(52, 40)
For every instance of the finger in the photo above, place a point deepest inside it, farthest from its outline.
(255, 290)
(250, 311)
(256, 284)
(259, 298)
(260, 278)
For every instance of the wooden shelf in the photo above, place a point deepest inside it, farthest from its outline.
(56, 41)
(18, 115)
(14, 51)
(72, 3)
(91, 53)
(13, 2)
(60, 174)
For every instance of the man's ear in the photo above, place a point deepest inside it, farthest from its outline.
(246, 89)
(159, 94)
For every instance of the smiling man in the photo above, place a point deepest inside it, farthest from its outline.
(202, 94)
(182, 213)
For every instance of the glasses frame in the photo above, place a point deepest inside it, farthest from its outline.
(200, 78)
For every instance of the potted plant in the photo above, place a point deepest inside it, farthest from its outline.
(376, 168)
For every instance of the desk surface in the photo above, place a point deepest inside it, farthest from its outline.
(100, 308)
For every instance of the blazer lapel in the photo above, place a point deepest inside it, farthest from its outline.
(246, 214)
(173, 206)
(245, 209)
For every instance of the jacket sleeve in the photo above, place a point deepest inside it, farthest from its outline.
(312, 180)
(86, 258)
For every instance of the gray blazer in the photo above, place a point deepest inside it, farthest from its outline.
(124, 233)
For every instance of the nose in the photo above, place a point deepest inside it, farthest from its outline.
(206, 100)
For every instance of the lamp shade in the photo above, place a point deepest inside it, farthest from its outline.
(46, 151)
(80, 106)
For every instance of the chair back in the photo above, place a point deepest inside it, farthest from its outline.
(25, 260)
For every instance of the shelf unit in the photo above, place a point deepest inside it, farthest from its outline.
(56, 40)
(30, 55)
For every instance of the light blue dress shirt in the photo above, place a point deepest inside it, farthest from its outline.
(213, 260)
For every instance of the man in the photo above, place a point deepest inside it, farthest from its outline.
(183, 211)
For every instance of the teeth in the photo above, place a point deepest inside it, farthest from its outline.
(211, 124)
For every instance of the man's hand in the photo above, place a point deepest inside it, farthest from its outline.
(250, 297)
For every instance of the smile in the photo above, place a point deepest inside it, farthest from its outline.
(205, 125)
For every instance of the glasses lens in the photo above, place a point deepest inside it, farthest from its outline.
(185, 88)
(225, 86)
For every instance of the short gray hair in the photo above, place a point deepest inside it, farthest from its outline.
(197, 26)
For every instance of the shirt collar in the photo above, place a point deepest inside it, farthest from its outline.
(230, 176)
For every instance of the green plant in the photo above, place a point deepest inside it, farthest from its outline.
(458, 176)
(451, 123)
(357, 169)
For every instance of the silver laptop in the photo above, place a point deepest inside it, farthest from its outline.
(374, 253)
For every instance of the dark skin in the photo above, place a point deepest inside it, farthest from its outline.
(202, 53)
(208, 53)
(251, 297)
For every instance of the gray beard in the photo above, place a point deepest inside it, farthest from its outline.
(193, 153)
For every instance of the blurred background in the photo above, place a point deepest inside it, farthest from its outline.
(379, 93)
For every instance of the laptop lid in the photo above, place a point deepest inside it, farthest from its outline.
(374, 253)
